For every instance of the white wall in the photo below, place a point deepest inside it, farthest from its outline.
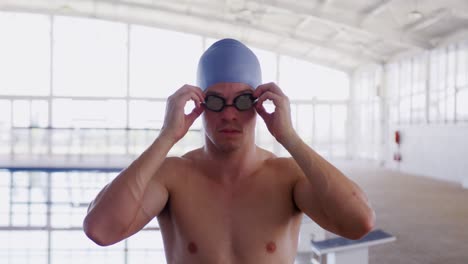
(437, 151)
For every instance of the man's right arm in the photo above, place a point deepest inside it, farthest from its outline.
(132, 199)
(139, 192)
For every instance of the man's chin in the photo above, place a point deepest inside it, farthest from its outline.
(228, 146)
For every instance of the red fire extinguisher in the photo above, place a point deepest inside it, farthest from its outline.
(397, 137)
(397, 155)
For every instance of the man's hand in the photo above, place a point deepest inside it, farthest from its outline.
(279, 122)
(176, 122)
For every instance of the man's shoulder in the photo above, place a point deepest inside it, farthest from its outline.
(192, 155)
(271, 159)
(283, 165)
(177, 162)
(174, 168)
(282, 162)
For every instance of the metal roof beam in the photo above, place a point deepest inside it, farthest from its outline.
(375, 10)
(428, 21)
(95, 9)
(353, 25)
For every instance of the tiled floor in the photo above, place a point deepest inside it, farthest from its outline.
(428, 217)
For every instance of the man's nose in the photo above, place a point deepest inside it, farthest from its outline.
(229, 113)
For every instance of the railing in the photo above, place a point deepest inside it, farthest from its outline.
(322, 125)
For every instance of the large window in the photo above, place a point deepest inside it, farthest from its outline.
(407, 90)
(305, 80)
(319, 99)
(90, 57)
(85, 91)
(429, 87)
(47, 210)
(461, 84)
(366, 106)
(161, 61)
(24, 54)
(106, 113)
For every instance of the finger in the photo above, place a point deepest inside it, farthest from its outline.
(260, 90)
(259, 108)
(262, 111)
(270, 96)
(198, 91)
(194, 89)
(196, 112)
(190, 95)
(268, 87)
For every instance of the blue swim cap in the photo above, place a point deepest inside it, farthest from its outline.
(228, 60)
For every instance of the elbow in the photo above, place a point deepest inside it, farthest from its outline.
(95, 233)
(361, 227)
(365, 225)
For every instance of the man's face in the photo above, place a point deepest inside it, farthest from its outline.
(230, 128)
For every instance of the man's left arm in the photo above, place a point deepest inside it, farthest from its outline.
(325, 194)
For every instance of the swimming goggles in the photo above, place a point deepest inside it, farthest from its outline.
(242, 102)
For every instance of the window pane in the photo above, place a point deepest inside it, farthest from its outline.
(30, 113)
(462, 69)
(74, 247)
(23, 247)
(147, 114)
(39, 113)
(5, 115)
(419, 74)
(451, 67)
(25, 54)
(418, 116)
(139, 140)
(161, 61)
(87, 113)
(393, 81)
(146, 245)
(437, 106)
(450, 104)
(393, 112)
(303, 80)
(21, 113)
(305, 121)
(192, 140)
(405, 81)
(263, 137)
(462, 105)
(4, 198)
(339, 123)
(90, 57)
(268, 65)
(322, 125)
(405, 108)
(419, 101)
(29, 198)
(71, 194)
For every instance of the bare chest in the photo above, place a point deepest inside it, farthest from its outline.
(253, 217)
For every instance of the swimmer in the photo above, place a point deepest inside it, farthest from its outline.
(229, 201)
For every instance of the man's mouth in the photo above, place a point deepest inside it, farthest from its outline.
(230, 131)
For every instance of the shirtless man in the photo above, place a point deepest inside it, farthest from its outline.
(229, 201)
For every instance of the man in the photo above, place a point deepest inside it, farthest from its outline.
(229, 201)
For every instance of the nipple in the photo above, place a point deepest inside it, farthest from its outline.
(271, 247)
(192, 248)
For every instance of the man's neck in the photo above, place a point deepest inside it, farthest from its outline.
(236, 164)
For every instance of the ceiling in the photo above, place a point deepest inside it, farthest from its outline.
(341, 34)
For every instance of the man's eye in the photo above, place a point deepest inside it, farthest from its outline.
(214, 103)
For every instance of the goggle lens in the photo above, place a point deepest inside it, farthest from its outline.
(242, 102)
